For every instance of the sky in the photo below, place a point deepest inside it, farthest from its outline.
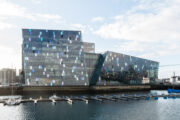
(144, 28)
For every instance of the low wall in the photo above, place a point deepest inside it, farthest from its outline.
(70, 89)
(80, 89)
(164, 87)
(105, 89)
(55, 89)
(10, 90)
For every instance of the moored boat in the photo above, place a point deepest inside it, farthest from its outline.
(54, 97)
(173, 90)
(12, 102)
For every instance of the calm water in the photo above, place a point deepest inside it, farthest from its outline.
(161, 109)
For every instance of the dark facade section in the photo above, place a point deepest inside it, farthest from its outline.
(124, 69)
(91, 62)
(97, 71)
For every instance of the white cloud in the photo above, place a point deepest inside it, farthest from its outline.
(145, 29)
(48, 16)
(10, 16)
(130, 46)
(90, 28)
(9, 10)
(4, 25)
(37, 1)
(166, 72)
(150, 5)
(150, 30)
(9, 57)
(97, 19)
(77, 26)
(81, 27)
(43, 17)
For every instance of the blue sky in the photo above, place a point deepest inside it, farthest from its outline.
(143, 28)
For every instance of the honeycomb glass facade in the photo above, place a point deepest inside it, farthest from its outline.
(124, 69)
(60, 58)
(53, 57)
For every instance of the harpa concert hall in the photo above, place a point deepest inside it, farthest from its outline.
(61, 58)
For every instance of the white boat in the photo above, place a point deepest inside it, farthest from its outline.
(11, 102)
(53, 101)
(35, 101)
(54, 97)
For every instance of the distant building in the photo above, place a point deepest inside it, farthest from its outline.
(60, 58)
(175, 80)
(145, 80)
(21, 77)
(7, 76)
(165, 81)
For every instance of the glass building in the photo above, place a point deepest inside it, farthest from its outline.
(91, 62)
(53, 57)
(89, 47)
(60, 58)
(118, 69)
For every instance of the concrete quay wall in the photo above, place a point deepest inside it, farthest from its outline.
(80, 89)
(70, 89)
(124, 88)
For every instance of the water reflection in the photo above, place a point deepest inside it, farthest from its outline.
(161, 109)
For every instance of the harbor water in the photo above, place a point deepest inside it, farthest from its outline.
(161, 109)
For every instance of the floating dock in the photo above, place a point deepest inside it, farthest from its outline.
(99, 98)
